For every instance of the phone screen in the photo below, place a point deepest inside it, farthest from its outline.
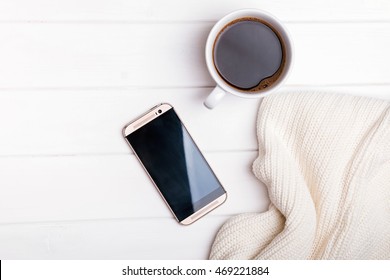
(175, 164)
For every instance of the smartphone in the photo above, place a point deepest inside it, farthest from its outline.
(174, 163)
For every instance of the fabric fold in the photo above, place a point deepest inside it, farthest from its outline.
(325, 159)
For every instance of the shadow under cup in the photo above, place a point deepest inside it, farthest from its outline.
(249, 54)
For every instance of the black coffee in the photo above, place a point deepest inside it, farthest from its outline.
(248, 54)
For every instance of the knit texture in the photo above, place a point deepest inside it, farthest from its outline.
(325, 159)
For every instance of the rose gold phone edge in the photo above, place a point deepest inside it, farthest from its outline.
(147, 117)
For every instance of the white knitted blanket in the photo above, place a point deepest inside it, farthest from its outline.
(325, 159)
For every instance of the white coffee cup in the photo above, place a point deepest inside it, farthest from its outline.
(222, 86)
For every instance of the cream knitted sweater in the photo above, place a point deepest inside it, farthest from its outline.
(325, 159)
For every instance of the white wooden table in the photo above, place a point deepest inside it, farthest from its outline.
(74, 72)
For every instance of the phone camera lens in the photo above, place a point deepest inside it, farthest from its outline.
(159, 111)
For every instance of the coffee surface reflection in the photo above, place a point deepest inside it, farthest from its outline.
(248, 54)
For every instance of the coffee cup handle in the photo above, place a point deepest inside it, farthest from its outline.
(214, 97)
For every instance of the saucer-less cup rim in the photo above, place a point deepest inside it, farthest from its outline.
(222, 86)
